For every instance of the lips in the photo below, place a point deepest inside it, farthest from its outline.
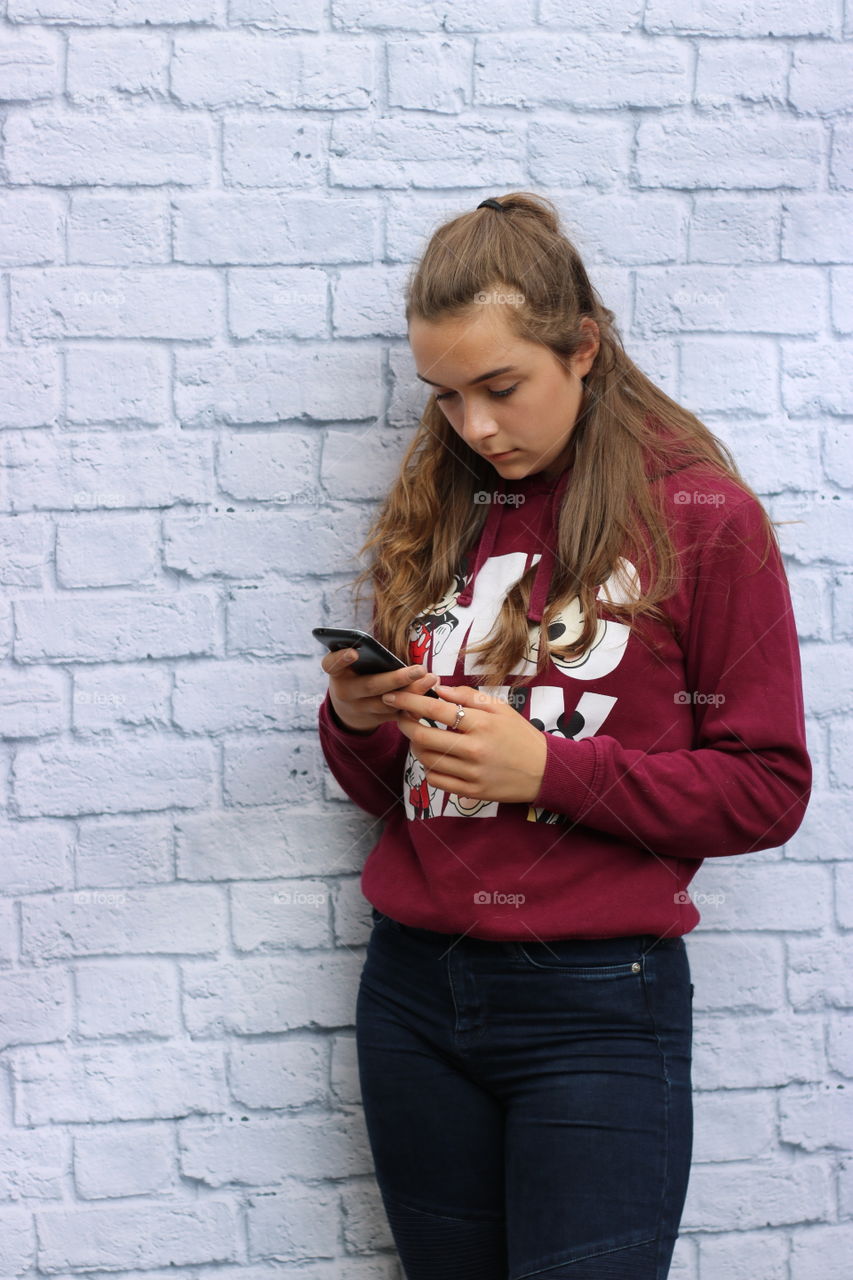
(499, 455)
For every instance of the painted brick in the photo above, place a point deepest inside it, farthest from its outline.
(579, 150)
(145, 146)
(742, 17)
(118, 230)
(36, 1007)
(107, 470)
(73, 1084)
(114, 12)
(261, 150)
(258, 229)
(113, 625)
(816, 1119)
(37, 856)
(181, 1234)
(581, 71)
(262, 843)
(105, 64)
(304, 1230)
(752, 1194)
(819, 973)
(290, 1073)
(413, 152)
(730, 228)
(210, 211)
(430, 75)
(820, 80)
(741, 1256)
(30, 228)
(130, 1160)
(289, 302)
(778, 299)
(134, 997)
(30, 388)
(30, 64)
(757, 1052)
(279, 15)
(269, 384)
(727, 153)
(32, 703)
(98, 921)
(752, 71)
(270, 994)
(95, 302)
(817, 228)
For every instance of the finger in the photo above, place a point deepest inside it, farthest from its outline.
(420, 707)
(337, 660)
(463, 695)
(411, 701)
(408, 676)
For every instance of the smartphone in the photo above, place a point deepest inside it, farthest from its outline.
(373, 657)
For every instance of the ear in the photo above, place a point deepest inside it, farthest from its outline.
(585, 355)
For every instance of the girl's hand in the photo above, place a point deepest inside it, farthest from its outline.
(357, 699)
(496, 754)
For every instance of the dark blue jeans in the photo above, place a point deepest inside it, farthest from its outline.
(528, 1105)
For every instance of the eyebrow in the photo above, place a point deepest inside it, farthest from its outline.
(493, 373)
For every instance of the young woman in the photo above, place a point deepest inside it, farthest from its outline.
(572, 559)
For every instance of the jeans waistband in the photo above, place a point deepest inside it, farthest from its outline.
(641, 940)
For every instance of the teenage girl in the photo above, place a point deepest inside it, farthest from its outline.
(573, 561)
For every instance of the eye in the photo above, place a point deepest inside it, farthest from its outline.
(508, 392)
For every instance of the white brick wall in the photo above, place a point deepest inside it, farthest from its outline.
(207, 212)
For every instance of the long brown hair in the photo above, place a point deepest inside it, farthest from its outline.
(628, 434)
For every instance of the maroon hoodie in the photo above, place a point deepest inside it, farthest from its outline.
(662, 749)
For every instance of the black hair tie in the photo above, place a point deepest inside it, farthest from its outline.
(493, 204)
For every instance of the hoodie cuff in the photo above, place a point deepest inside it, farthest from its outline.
(568, 784)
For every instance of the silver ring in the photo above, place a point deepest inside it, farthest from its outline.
(460, 715)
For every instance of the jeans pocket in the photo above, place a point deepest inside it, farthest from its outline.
(581, 958)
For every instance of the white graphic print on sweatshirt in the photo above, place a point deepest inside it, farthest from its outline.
(438, 634)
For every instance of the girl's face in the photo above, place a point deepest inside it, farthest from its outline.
(526, 408)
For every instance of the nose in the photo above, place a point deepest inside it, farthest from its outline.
(477, 425)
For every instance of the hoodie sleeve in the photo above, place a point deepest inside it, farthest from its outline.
(368, 766)
(746, 782)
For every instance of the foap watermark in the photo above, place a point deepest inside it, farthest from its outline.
(483, 897)
(294, 299)
(693, 695)
(683, 497)
(97, 298)
(100, 498)
(100, 897)
(296, 698)
(299, 898)
(305, 497)
(697, 296)
(495, 495)
(699, 899)
(495, 295)
(92, 698)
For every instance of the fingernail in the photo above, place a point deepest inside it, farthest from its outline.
(389, 697)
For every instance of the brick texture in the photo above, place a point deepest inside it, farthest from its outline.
(208, 210)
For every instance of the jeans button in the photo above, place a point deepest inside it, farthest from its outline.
(635, 967)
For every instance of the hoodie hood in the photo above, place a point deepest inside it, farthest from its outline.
(545, 535)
